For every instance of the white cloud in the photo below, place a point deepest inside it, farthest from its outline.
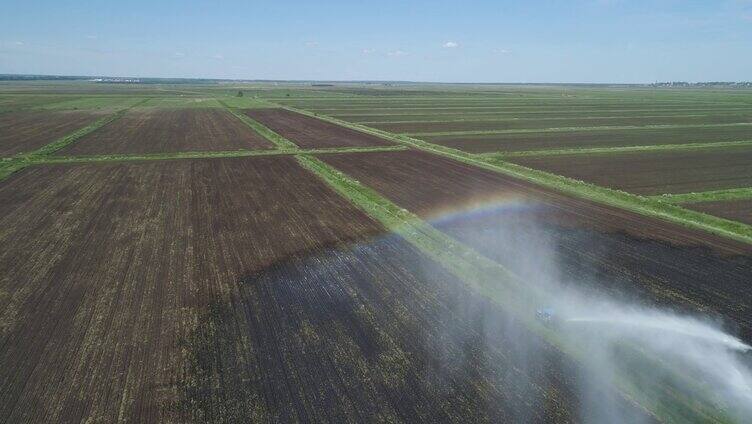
(178, 54)
(369, 51)
(92, 37)
(312, 43)
(502, 51)
(450, 45)
(18, 43)
(397, 53)
(218, 57)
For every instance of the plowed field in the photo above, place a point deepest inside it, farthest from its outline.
(737, 210)
(107, 269)
(654, 172)
(242, 290)
(169, 130)
(607, 248)
(591, 138)
(311, 133)
(27, 131)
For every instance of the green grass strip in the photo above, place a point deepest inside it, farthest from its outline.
(9, 167)
(209, 154)
(620, 149)
(639, 204)
(573, 129)
(493, 281)
(707, 196)
(270, 135)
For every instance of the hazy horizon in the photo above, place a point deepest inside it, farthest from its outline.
(147, 78)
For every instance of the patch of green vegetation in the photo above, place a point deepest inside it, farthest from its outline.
(639, 204)
(493, 281)
(9, 103)
(182, 101)
(245, 102)
(270, 135)
(621, 149)
(90, 103)
(8, 167)
(706, 196)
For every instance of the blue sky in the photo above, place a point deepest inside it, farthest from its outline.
(447, 41)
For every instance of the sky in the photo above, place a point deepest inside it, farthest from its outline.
(597, 41)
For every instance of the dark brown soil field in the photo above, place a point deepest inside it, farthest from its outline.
(169, 130)
(27, 131)
(417, 127)
(311, 133)
(242, 290)
(679, 171)
(590, 138)
(737, 210)
(598, 247)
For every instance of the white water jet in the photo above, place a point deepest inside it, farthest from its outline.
(662, 323)
(683, 348)
(695, 349)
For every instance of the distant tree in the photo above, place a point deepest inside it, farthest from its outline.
(287, 95)
(240, 93)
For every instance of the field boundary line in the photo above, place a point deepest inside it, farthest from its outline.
(642, 205)
(572, 129)
(618, 149)
(276, 139)
(204, 154)
(743, 193)
(22, 160)
(9, 167)
(494, 282)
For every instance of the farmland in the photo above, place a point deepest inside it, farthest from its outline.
(541, 122)
(655, 172)
(26, 131)
(142, 270)
(189, 292)
(592, 137)
(737, 210)
(307, 132)
(416, 116)
(362, 253)
(150, 130)
(431, 187)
